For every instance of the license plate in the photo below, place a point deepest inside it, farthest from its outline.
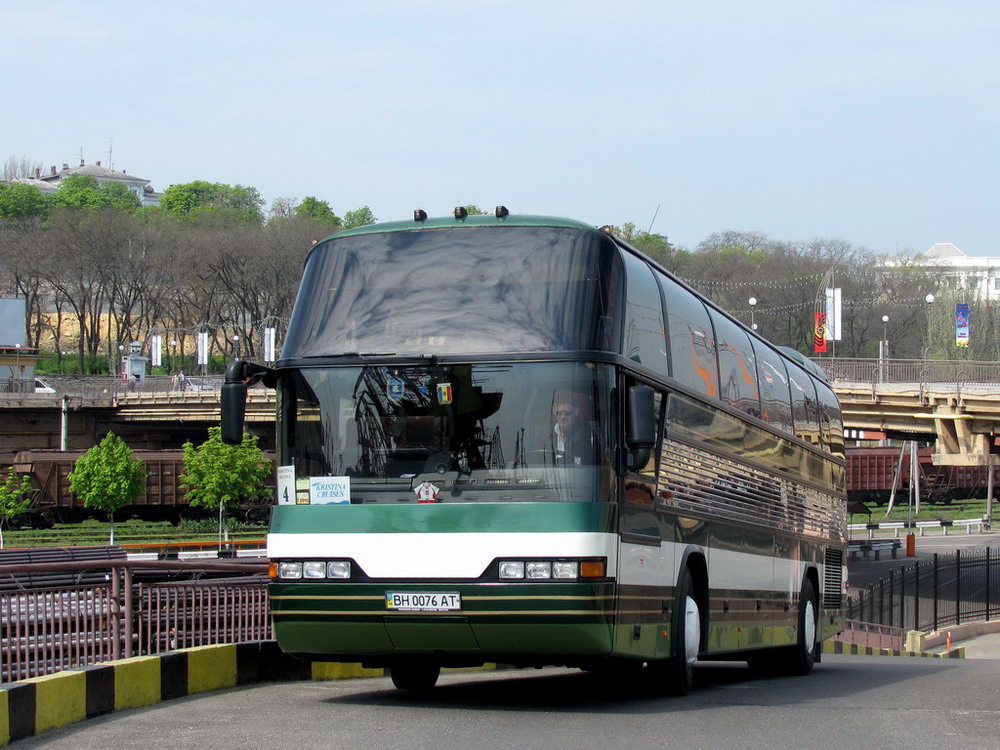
(422, 601)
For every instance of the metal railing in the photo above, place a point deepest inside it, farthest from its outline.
(944, 591)
(871, 371)
(46, 630)
(108, 387)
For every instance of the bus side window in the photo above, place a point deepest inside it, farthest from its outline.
(775, 397)
(737, 365)
(644, 342)
(692, 349)
(805, 410)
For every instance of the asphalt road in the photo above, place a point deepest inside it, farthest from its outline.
(848, 702)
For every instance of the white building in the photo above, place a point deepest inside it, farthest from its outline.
(980, 276)
(49, 183)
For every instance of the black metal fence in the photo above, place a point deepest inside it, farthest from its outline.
(945, 591)
(50, 627)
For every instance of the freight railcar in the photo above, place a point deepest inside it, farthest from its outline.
(163, 499)
(870, 474)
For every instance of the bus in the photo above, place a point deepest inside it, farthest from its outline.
(518, 440)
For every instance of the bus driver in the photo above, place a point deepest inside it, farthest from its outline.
(572, 437)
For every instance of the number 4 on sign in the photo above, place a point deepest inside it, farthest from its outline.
(426, 492)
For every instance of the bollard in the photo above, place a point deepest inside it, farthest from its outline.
(947, 642)
(911, 545)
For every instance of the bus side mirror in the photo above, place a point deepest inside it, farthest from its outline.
(240, 376)
(640, 425)
(233, 404)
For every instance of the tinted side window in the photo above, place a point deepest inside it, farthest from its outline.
(644, 341)
(737, 365)
(831, 419)
(805, 408)
(692, 347)
(775, 399)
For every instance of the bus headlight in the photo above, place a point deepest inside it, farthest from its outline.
(338, 569)
(538, 570)
(565, 569)
(314, 569)
(290, 570)
(511, 569)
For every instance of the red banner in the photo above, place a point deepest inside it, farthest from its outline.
(819, 332)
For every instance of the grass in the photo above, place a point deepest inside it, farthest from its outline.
(958, 509)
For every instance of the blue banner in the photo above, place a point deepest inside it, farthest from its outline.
(961, 325)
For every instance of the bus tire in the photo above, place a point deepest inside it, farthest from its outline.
(414, 675)
(675, 676)
(801, 659)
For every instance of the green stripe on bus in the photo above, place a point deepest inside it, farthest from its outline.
(443, 518)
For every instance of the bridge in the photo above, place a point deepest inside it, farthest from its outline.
(955, 404)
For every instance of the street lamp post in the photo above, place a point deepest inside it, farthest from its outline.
(929, 299)
(883, 348)
(753, 304)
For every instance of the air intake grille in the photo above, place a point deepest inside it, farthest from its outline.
(833, 578)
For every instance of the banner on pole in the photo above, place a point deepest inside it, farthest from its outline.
(155, 350)
(961, 324)
(269, 344)
(833, 311)
(203, 348)
(819, 332)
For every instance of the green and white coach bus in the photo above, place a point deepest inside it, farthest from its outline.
(516, 439)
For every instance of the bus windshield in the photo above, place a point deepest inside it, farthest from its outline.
(478, 290)
(528, 432)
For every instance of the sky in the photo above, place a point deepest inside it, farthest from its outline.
(871, 121)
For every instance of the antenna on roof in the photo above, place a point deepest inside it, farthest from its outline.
(111, 145)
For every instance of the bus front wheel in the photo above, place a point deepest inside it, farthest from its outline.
(675, 676)
(414, 675)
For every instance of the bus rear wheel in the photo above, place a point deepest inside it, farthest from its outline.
(414, 675)
(802, 658)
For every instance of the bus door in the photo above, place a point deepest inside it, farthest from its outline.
(646, 564)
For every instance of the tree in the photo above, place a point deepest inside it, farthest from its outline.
(118, 196)
(217, 475)
(317, 210)
(19, 201)
(193, 199)
(15, 498)
(359, 217)
(80, 192)
(108, 478)
(19, 166)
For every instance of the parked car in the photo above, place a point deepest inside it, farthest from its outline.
(42, 387)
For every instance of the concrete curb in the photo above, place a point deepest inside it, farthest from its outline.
(39, 704)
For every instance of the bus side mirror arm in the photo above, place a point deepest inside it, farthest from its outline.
(640, 426)
(240, 375)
